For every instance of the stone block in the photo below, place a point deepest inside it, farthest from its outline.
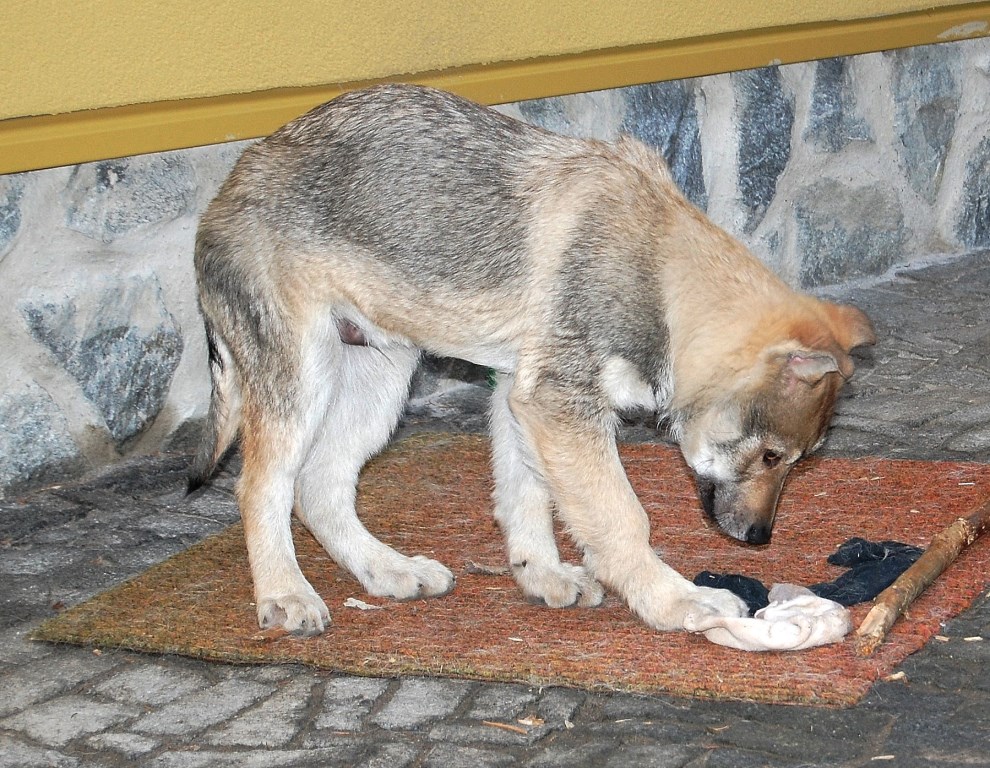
(665, 116)
(846, 232)
(11, 190)
(835, 118)
(765, 114)
(420, 701)
(35, 443)
(111, 198)
(147, 685)
(347, 701)
(926, 96)
(121, 345)
(973, 223)
(55, 723)
(202, 709)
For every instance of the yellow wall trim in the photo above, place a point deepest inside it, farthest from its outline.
(30, 143)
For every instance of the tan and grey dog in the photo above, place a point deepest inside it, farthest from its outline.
(399, 219)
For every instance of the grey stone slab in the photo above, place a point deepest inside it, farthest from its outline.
(272, 723)
(766, 115)
(57, 722)
(11, 192)
(501, 701)
(562, 754)
(835, 119)
(112, 198)
(122, 349)
(651, 756)
(853, 230)
(346, 754)
(130, 745)
(420, 701)
(347, 701)
(203, 709)
(35, 441)
(150, 685)
(665, 117)
(454, 756)
(973, 222)
(502, 732)
(48, 676)
(14, 753)
(926, 94)
(560, 704)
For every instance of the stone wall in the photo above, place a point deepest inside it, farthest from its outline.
(831, 171)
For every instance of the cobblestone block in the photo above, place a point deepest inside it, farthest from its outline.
(500, 700)
(652, 755)
(273, 723)
(452, 756)
(57, 722)
(17, 754)
(202, 709)
(38, 680)
(347, 701)
(130, 745)
(420, 701)
(150, 685)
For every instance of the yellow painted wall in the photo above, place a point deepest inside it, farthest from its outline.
(63, 56)
(84, 80)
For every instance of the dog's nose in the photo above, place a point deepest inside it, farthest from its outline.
(758, 533)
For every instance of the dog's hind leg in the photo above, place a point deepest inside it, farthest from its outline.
(370, 385)
(523, 510)
(273, 446)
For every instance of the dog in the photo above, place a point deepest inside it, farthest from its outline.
(401, 219)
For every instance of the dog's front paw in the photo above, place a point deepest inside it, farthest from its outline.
(304, 615)
(559, 585)
(407, 578)
(681, 604)
(708, 602)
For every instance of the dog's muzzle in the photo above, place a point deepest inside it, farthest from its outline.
(721, 504)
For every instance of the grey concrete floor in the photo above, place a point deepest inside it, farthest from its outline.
(923, 392)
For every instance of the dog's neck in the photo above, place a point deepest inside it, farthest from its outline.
(721, 305)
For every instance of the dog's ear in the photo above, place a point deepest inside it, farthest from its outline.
(850, 326)
(812, 366)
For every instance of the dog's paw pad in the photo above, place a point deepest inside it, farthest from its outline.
(304, 615)
(408, 578)
(559, 585)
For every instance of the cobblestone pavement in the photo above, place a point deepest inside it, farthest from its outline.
(922, 392)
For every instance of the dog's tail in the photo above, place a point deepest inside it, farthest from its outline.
(224, 416)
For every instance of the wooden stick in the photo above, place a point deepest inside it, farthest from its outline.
(893, 601)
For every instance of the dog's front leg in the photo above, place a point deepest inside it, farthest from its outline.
(523, 508)
(600, 510)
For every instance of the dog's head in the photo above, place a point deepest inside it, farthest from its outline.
(742, 439)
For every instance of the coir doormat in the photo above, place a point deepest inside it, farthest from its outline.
(430, 495)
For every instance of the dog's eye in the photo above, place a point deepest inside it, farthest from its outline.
(771, 459)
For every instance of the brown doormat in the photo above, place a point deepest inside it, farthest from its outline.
(430, 495)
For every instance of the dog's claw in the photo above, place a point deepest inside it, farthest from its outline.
(408, 578)
(559, 585)
(305, 615)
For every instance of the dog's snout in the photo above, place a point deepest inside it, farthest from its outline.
(758, 533)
